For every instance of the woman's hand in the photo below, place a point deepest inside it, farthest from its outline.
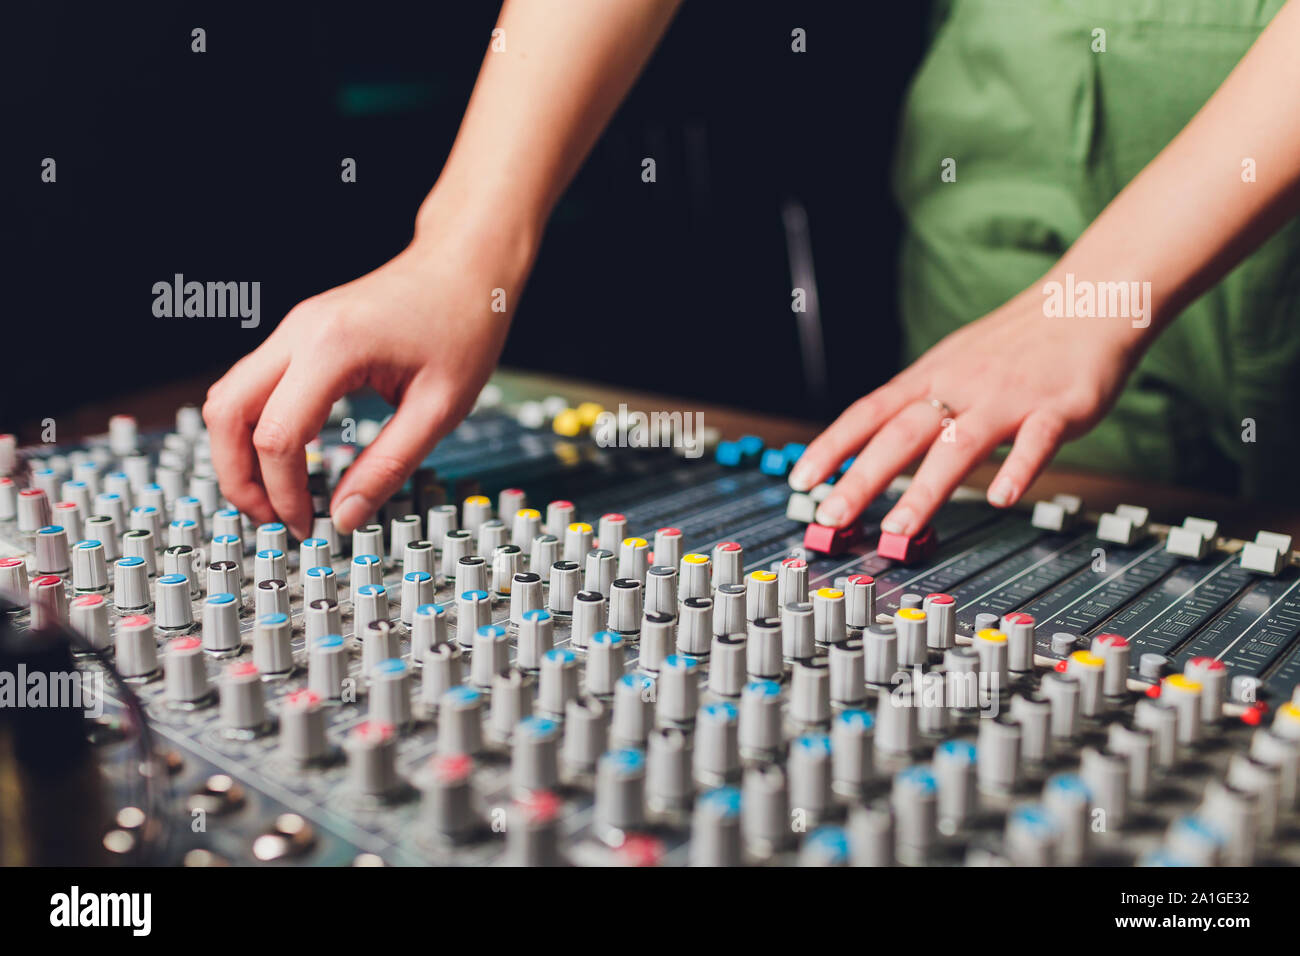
(420, 329)
(1013, 375)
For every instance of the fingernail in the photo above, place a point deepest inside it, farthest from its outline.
(831, 512)
(899, 521)
(801, 478)
(351, 513)
(1002, 493)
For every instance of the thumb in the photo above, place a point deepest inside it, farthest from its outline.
(420, 421)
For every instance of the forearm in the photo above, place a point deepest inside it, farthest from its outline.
(539, 105)
(1189, 216)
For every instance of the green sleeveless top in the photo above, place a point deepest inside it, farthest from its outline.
(1045, 132)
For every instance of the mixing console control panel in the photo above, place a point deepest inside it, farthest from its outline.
(548, 652)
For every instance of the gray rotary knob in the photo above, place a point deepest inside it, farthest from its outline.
(455, 545)
(606, 657)
(13, 577)
(273, 536)
(317, 583)
(104, 529)
(578, 538)
(895, 725)
(525, 595)
(243, 702)
(625, 606)
(172, 599)
(492, 534)
(269, 563)
(940, 621)
(136, 648)
(717, 744)
(611, 531)
(914, 799)
(1033, 712)
(224, 578)
(185, 672)
(370, 603)
(536, 637)
(599, 574)
(695, 629)
(89, 616)
(507, 562)
(661, 590)
(764, 819)
(220, 624)
(441, 519)
(809, 767)
(52, 550)
(1212, 675)
(633, 711)
(727, 665)
(322, 617)
(401, 532)
(272, 651)
(271, 597)
(728, 563)
(586, 732)
(634, 559)
(327, 666)
(475, 510)
(694, 577)
(668, 775)
(471, 574)
(589, 616)
(534, 763)
(761, 595)
(322, 527)
(460, 721)
(491, 655)
(810, 701)
(48, 601)
(379, 642)
(1138, 745)
(715, 829)
(226, 522)
(792, 581)
(998, 767)
(1184, 695)
(313, 553)
(1067, 799)
(365, 570)
(441, 672)
(372, 759)
(991, 646)
(954, 773)
(1019, 630)
(678, 691)
(759, 721)
(473, 610)
(829, 625)
(227, 547)
(620, 793)
(1106, 775)
(729, 609)
(847, 663)
(512, 701)
(419, 556)
(763, 648)
(1161, 719)
(1115, 653)
(428, 629)
(1087, 668)
(390, 693)
(558, 681)
(852, 743)
(139, 544)
(446, 801)
(880, 654)
(89, 567)
(564, 587)
(417, 590)
(1062, 692)
(797, 634)
(657, 640)
(860, 600)
(525, 527)
(668, 547)
(302, 728)
(532, 837)
(544, 552)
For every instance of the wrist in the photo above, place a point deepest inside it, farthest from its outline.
(485, 230)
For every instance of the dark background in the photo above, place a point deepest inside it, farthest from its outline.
(225, 166)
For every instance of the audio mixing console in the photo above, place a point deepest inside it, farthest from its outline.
(545, 651)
